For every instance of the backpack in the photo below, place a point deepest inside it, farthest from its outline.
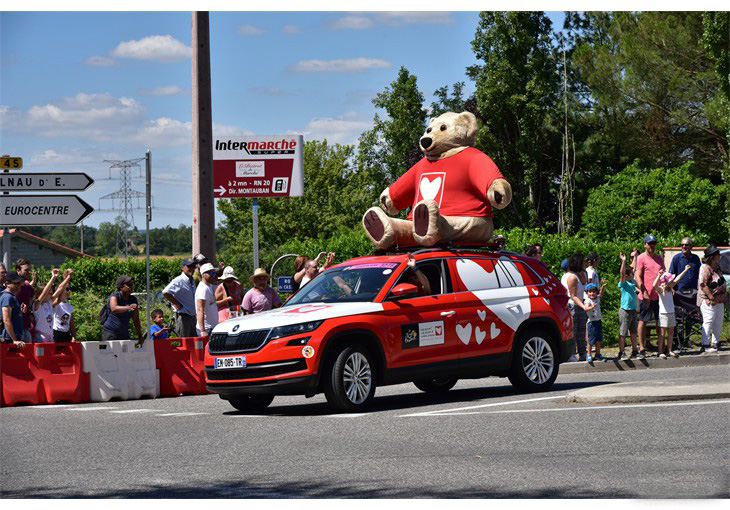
(105, 311)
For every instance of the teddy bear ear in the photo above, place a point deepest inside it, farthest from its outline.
(470, 121)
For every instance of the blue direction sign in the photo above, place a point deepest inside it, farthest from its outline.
(284, 283)
(42, 210)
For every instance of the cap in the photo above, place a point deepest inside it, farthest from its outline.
(228, 273)
(711, 250)
(650, 239)
(591, 286)
(564, 265)
(206, 268)
(666, 278)
(200, 259)
(188, 262)
(122, 280)
(13, 277)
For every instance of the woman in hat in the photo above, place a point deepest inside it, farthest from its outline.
(712, 297)
(122, 307)
(261, 297)
(228, 295)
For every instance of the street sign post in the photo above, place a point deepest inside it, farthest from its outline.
(8, 163)
(42, 210)
(45, 182)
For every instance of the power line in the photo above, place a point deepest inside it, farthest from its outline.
(124, 196)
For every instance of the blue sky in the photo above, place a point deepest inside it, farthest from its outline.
(77, 88)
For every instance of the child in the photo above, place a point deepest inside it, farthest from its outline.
(628, 314)
(64, 329)
(158, 330)
(42, 308)
(664, 285)
(594, 327)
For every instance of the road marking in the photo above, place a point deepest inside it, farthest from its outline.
(353, 415)
(135, 411)
(54, 406)
(89, 408)
(444, 411)
(180, 414)
(609, 406)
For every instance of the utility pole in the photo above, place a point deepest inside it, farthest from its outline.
(203, 201)
(124, 195)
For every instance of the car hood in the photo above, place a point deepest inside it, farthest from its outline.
(295, 314)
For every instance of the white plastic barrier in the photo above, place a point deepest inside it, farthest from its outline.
(107, 373)
(119, 370)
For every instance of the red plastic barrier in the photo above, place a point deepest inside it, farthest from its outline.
(181, 368)
(42, 374)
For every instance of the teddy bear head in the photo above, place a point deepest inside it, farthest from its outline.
(448, 134)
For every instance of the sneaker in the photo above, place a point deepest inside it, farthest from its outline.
(589, 359)
(642, 355)
(634, 354)
(582, 357)
(600, 358)
(624, 357)
(573, 358)
(674, 354)
(663, 356)
(710, 349)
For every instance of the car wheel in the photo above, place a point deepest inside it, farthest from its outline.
(251, 403)
(534, 362)
(349, 385)
(435, 385)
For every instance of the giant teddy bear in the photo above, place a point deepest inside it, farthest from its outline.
(452, 191)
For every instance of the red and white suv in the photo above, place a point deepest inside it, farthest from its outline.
(371, 322)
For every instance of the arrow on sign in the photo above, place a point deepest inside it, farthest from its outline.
(220, 190)
(42, 210)
(45, 182)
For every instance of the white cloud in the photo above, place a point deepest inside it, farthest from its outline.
(344, 130)
(395, 18)
(250, 30)
(291, 29)
(50, 157)
(164, 132)
(98, 61)
(339, 66)
(158, 48)
(223, 130)
(169, 90)
(351, 23)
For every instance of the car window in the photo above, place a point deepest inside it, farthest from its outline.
(436, 273)
(485, 274)
(360, 282)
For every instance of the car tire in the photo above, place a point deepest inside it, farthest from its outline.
(251, 403)
(349, 384)
(435, 385)
(534, 362)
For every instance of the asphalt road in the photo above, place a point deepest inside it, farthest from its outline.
(480, 440)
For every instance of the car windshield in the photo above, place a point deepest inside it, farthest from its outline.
(360, 282)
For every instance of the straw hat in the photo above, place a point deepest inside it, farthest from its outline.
(260, 272)
(228, 273)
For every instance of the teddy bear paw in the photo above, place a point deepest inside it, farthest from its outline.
(377, 227)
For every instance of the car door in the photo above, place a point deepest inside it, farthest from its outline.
(420, 329)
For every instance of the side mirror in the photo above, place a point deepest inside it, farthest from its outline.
(404, 290)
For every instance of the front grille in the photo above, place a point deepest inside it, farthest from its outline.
(257, 370)
(242, 342)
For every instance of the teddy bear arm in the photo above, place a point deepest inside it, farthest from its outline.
(387, 203)
(499, 193)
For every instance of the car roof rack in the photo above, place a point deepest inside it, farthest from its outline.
(451, 246)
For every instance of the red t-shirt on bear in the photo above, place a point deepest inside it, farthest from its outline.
(458, 184)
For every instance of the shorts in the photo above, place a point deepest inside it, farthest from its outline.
(628, 322)
(649, 312)
(595, 332)
(667, 320)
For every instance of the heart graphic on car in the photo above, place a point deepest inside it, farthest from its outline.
(464, 333)
(479, 335)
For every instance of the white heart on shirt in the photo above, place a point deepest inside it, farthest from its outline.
(429, 189)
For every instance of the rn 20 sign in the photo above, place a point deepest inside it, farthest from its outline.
(258, 166)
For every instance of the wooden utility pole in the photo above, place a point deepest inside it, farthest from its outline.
(203, 202)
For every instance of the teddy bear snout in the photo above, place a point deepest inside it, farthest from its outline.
(426, 142)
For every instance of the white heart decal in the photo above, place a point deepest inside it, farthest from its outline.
(482, 314)
(534, 291)
(495, 331)
(547, 300)
(479, 334)
(429, 189)
(464, 333)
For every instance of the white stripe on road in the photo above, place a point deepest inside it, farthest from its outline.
(353, 415)
(180, 414)
(55, 406)
(89, 408)
(135, 411)
(443, 411)
(609, 406)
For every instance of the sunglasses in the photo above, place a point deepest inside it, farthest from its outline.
(686, 245)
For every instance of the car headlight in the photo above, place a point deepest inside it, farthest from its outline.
(294, 329)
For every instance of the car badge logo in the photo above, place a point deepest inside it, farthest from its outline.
(235, 328)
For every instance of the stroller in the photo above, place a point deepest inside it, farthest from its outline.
(688, 331)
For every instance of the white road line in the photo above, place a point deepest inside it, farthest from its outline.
(89, 408)
(54, 406)
(609, 406)
(353, 415)
(180, 414)
(444, 411)
(134, 411)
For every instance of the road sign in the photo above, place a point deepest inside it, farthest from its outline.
(45, 182)
(258, 166)
(42, 210)
(283, 283)
(11, 163)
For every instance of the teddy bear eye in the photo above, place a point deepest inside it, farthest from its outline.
(428, 130)
(443, 127)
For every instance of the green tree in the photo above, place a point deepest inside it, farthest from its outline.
(517, 88)
(453, 103)
(662, 201)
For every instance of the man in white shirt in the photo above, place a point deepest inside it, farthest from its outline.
(181, 293)
(205, 304)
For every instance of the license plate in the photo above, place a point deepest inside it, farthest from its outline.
(237, 362)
